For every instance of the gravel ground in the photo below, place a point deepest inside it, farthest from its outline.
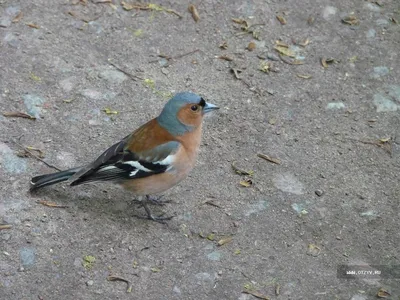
(312, 83)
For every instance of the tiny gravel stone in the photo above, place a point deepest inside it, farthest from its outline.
(27, 256)
(6, 236)
(319, 193)
(89, 282)
(273, 56)
(5, 22)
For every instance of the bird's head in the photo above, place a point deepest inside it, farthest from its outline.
(184, 112)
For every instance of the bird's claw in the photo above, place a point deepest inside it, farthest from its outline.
(150, 216)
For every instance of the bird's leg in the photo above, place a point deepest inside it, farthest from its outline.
(150, 216)
(156, 200)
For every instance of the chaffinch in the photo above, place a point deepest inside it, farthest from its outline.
(152, 159)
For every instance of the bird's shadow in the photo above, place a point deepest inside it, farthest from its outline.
(111, 203)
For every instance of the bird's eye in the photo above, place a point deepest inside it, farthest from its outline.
(194, 107)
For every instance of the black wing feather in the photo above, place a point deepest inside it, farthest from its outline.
(118, 164)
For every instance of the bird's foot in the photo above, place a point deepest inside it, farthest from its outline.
(150, 216)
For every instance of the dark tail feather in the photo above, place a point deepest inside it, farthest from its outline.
(49, 179)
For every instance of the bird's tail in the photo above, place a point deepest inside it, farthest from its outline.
(49, 179)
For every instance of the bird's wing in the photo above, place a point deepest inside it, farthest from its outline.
(119, 163)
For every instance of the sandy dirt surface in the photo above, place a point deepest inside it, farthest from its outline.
(313, 83)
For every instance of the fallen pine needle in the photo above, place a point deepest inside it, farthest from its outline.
(270, 159)
(5, 226)
(51, 204)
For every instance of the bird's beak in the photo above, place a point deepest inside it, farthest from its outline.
(209, 107)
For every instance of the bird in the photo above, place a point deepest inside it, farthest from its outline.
(152, 159)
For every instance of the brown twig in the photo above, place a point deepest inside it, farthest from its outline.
(17, 114)
(131, 76)
(385, 145)
(5, 226)
(270, 159)
(168, 58)
(35, 156)
(51, 204)
(117, 278)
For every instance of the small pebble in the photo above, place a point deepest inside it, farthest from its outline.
(6, 236)
(273, 56)
(164, 71)
(89, 282)
(319, 193)
(5, 22)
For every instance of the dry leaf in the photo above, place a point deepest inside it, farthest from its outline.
(385, 140)
(281, 44)
(281, 19)
(236, 72)
(18, 17)
(382, 293)
(246, 182)
(353, 59)
(241, 22)
(351, 20)
(277, 289)
(310, 20)
(51, 204)
(326, 61)
(35, 77)
(194, 12)
(285, 51)
(256, 294)
(265, 66)
(101, 1)
(393, 20)
(108, 111)
(155, 269)
(17, 114)
(127, 6)
(40, 152)
(225, 57)
(270, 159)
(304, 43)
(313, 250)
(251, 46)
(304, 76)
(224, 241)
(241, 171)
(32, 25)
(224, 45)
(210, 237)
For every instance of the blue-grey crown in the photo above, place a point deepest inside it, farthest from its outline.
(168, 118)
